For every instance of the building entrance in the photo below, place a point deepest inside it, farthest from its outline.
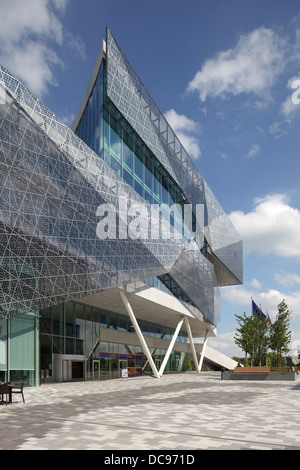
(68, 367)
(96, 369)
(72, 370)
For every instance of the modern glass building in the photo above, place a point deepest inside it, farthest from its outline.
(112, 245)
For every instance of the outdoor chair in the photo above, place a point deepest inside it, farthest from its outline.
(5, 390)
(16, 389)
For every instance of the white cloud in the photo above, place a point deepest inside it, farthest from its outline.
(280, 128)
(61, 4)
(273, 226)
(287, 279)
(255, 149)
(253, 66)
(21, 18)
(240, 296)
(183, 127)
(30, 30)
(225, 344)
(255, 283)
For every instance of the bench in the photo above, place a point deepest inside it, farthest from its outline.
(284, 369)
(252, 370)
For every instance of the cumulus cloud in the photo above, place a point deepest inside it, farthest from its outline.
(31, 31)
(252, 66)
(273, 226)
(184, 129)
(240, 296)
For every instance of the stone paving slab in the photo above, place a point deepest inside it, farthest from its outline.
(179, 412)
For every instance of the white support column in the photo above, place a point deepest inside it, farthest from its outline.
(203, 351)
(139, 334)
(189, 331)
(170, 348)
(146, 363)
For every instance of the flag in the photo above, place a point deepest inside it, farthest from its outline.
(257, 310)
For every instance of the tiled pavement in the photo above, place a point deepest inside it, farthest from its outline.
(178, 412)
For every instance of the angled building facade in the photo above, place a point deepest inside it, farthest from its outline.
(112, 245)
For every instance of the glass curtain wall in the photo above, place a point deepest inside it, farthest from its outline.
(19, 350)
(114, 356)
(106, 131)
(73, 328)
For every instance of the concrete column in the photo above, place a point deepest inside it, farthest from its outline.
(203, 351)
(170, 348)
(189, 331)
(139, 334)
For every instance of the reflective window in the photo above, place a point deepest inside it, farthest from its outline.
(108, 133)
(127, 158)
(138, 169)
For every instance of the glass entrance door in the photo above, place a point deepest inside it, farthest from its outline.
(96, 369)
(77, 370)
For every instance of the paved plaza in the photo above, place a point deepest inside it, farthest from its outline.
(185, 412)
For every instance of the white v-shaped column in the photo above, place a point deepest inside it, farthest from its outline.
(189, 332)
(170, 348)
(203, 351)
(139, 334)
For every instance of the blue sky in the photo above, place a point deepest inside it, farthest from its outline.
(222, 72)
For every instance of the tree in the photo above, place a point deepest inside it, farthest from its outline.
(244, 338)
(280, 334)
(253, 337)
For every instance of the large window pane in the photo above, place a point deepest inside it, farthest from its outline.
(139, 188)
(103, 320)
(138, 169)
(148, 180)
(46, 321)
(115, 144)
(70, 346)
(115, 166)
(58, 320)
(22, 347)
(69, 319)
(58, 345)
(127, 158)
(106, 135)
(128, 178)
(157, 185)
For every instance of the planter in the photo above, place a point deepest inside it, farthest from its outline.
(289, 376)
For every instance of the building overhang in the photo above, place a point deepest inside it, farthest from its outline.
(150, 304)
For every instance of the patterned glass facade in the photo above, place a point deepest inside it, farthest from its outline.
(53, 181)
